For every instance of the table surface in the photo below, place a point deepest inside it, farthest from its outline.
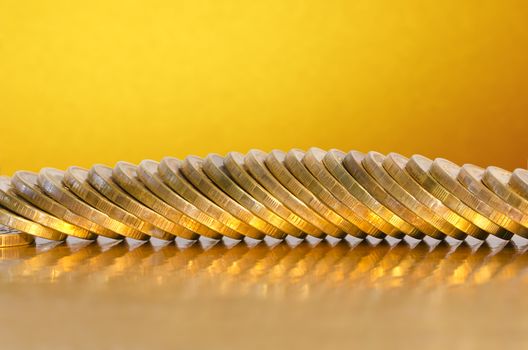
(225, 295)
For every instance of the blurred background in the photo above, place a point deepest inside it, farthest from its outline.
(102, 81)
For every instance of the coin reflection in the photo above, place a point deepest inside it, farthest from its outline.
(302, 271)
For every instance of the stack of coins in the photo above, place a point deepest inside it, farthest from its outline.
(314, 193)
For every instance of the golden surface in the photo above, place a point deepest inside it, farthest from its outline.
(305, 295)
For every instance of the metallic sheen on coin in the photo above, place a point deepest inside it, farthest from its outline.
(100, 177)
(13, 238)
(234, 165)
(446, 173)
(50, 181)
(147, 172)
(192, 169)
(169, 170)
(418, 167)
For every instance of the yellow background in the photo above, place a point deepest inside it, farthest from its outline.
(85, 82)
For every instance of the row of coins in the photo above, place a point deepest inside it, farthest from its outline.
(276, 194)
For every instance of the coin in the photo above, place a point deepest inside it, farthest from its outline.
(313, 160)
(76, 179)
(418, 167)
(394, 164)
(17, 222)
(446, 174)
(234, 164)
(100, 177)
(254, 165)
(333, 161)
(336, 225)
(406, 220)
(192, 169)
(25, 185)
(10, 200)
(373, 162)
(125, 175)
(519, 182)
(147, 172)
(497, 180)
(213, 166)
(50, 181)
(169, 171)
(347, 220)
(403, 218)
(13, 238)
(511, 218)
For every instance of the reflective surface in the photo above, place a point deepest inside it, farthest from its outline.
(227, 295)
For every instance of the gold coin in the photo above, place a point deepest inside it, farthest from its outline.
(100, 177)
(497, 180)
(125, 175)
(403, 217)
(313, 160)
(446, 173)
(394, 164)
(10, 200)
(13, 238)
(418, 167)
(347, 220)
(50, 181)
(510, 218)
(76, 179)
(334, 224)
(147, 172)
(519, 182)
(333, 161)
(192, 169)
(234, 164)
(373, 162)
(25, 184)
(17, 222)
(254, 165)
(169, 171)
(213, 166)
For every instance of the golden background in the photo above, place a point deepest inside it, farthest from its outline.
(102, 81)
